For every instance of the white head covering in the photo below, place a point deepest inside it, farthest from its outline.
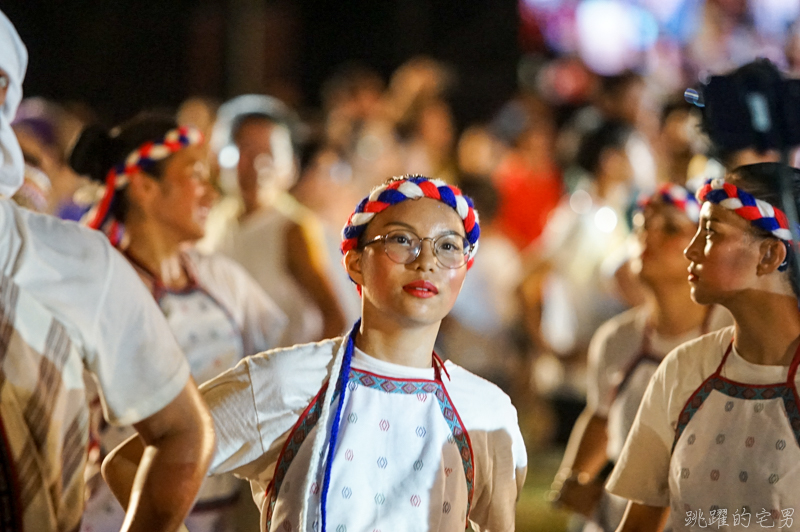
(14, 62)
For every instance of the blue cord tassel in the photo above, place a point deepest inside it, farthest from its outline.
(341, 384)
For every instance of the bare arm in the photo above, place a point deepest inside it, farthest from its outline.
(643, 518)
(531, 294)
(156, 475)
(584, 458)
(308, 271)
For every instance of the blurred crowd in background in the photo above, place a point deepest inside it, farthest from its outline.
(598, 120)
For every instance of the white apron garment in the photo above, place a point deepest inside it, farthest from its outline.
(403, 461)
(737, 454)
(627, 396)
(212, 342)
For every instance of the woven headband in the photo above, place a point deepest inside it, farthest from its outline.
(677, 196)
(759, 213)
(139, 159)
(403, 188)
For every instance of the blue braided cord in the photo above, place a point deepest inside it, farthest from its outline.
(673, 201)
(767, 224)
(341, 384)
(391, 196)
(417, 179)
(360, 207)
(469, 201)
(352, 231)
(717, 195)
(473, 235)
(448, 196)
(746, 198)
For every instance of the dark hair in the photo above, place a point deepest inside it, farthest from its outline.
(609, 135)
(249, 118)
(762, 180)
(614, 85)
(483, 193)
(268, 111)
(347, 80)
(674, 105)
(310, 152)
(97, 151)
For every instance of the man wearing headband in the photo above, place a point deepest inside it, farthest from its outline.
(277, 240)
(716, 441)
(69, 302)
(627, 349)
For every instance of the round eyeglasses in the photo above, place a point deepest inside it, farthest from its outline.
(403, 247)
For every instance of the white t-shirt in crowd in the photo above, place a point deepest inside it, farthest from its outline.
(585, 244)
(642, 471)
(256, 404)
(259, 245)
(92, 290)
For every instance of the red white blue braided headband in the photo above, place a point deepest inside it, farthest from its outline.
(141, 158)
(758, 212)
(399, 189)
(677, 196)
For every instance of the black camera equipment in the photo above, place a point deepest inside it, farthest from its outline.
(756, 107)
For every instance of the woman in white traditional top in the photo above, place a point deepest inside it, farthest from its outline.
(155, 204)
(717, 436)
(69, 302)
(627, 349)
(406, 442)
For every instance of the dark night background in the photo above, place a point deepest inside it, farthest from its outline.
(121, 56)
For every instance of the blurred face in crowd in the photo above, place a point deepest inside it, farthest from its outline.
(615, 166)
(254, 140)
(663, 232)
(477, 151)
(677, 133)
(538, 142)
(421, 292)
(436, 126)
(182, 200)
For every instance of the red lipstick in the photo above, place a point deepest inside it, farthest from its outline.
(421, 289)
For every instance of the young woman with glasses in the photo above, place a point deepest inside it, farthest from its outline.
(716, 441)
(155, 203)
(373, 431)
